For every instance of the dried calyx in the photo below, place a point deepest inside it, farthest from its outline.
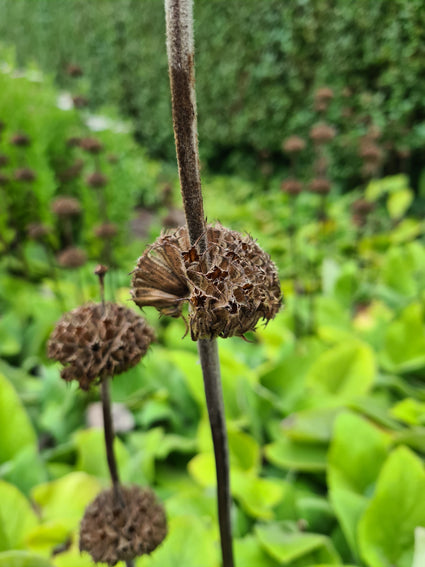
(112, 533)
(96, 341)
(229, 287)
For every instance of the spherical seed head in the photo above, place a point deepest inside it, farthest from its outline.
(106, 231)
(362, 207)
(37, 230)
(4, 160)
(66, 206)
(71, 172)
(20, 139)
(322, 133)
(4, 179)
(91, 145)
(97, 180)
(112, 533)
(324, 93)
(293, 145)
(73, 142)
(74, 70)
(72, 257)
(229, 287)
(370, 153)
(291, 186)
(320, 185)
(94, 343)
(80, 101)
(25, 174)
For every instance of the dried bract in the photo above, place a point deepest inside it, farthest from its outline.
(112, 533)
(229, 288)
(94, 343)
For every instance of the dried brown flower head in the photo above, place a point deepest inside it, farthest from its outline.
(74, 70)
(71, 172)
(20, 139)
(106, 230)
(293, 145)
(370, 152)
(73, 142)
(4, 179)
(37, 230)
(91, 145)
(80, 101)
(322, 133)
(94, 343)
(362, 207)
(229, 288)
(25, 174)
(97, 180)
(112, 533)
(320, 185)
(324, 93)
(4, 160)
(66, 206)
(72, 257)
(291, 186)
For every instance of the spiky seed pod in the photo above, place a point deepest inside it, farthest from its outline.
(4, 179)
(106, 230)
(97, 180)
(80, 101)
(322, 133)
(370, 153)
(112, 533)
(25, 174)
(66, 206)
(74, 71)
(20, 139)
(291, 186)
(91, 145)
(320, 185)
(4, 160)
(229, 288)
(293, 145)
(72, 257)
(37, 230)
(94, 343)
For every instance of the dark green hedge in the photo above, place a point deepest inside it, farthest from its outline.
(258, 64)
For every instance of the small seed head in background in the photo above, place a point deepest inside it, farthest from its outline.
(72, 258)
(322, 133)
(4, 160)
(66, 206)
(37, 230)
(106, 231)
(91, 145)
(320, 185)
(97, 180)
(25, 174)
(291, 186)
(80, 101)
(74, 71)
(21, 140)
(293, 145)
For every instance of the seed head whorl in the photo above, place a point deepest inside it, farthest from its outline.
(112, 533)
(94, 343)
(229, 288)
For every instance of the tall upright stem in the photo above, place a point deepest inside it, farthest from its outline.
(180, 49)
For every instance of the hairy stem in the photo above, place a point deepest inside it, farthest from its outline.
(180, 49)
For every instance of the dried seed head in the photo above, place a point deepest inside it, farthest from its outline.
(370, 153)
(71, 172)
(94, 343)
(37, 230)
(80, 101)
(322, 133)
(20, 139)
(97, 180)
(106, 230)
(293, 145)
(324, 93)
(91, 145)
(4, 160)
(25, 174)
(74, 70)
(66, 206)
(320, 185)
(112, 533)
(73, 142)
(291, 186)
(72, 257)
(362, 207)
(229, 288)
(4, 179)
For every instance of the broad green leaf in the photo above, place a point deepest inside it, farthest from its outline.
(316, 512)
(286, 546)
(310, 425)
(188, 543)
(45, 537)
(248, 552)
(345, 371)
(409, 411)
(419, 554)
(391, 184)
(17, 517)
(257, 496)
(192, 501)
(25, 470)
(287, 454)
(73, 558)
(65, 499)
(386, 530)
(23, 559)
(202, 469)
(349, 507)
(16, 429)
(406, 230)
(399, 202)
(356, 454)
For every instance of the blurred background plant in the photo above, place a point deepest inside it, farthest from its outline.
(312, 133)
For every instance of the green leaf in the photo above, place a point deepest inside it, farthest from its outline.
(23, 559)
(349, 507)
(345, 371)
(188, 543)
(248, 552)
(399, 202)
(257, 496)
(409, 411)
(91, 458)
(45, 537)
(17, 517)
(16, 429)
(386, 531)
(310, 425)
(287, 454)
(65, 499)
(25, 470)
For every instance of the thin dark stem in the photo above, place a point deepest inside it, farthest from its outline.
(208, 353)
(108, 430)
